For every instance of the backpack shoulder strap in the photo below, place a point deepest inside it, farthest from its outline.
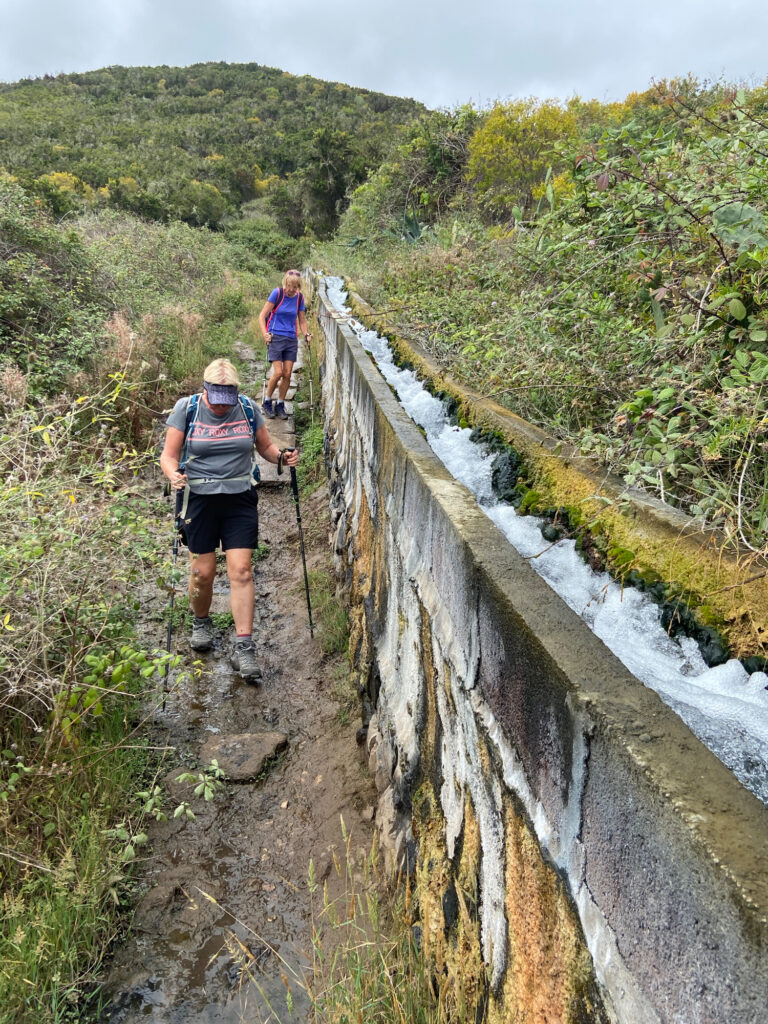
(280, 297)
(193, 411)
(192, 408)
(247, 405)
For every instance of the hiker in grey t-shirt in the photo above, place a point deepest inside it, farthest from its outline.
(217, 502)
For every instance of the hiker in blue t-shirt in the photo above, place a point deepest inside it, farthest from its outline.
(282, 311)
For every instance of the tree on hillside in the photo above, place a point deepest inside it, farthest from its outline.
(436, 159)
(512, 150)
(424, 176)
(333, 167)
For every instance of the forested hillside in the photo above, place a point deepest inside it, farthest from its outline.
(601, 270)
(263, 156)
(197, 143)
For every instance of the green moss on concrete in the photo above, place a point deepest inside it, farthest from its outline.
(446, 895)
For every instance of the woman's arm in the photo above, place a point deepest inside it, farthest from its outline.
(169, 460)
(302, 318)
(268, 450)
(266, 310)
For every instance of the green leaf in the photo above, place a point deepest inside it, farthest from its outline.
(737, 309)
(740, 224)
(658, 315)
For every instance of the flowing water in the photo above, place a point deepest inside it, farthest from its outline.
(726, 707)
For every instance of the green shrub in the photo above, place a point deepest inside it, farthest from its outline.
(76, 553)
(228, 304)
(259, 235)
(627, 314)
(52, 303)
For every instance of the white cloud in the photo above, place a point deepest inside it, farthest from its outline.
(441, 53)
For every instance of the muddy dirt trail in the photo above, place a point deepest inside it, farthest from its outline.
(222, 930)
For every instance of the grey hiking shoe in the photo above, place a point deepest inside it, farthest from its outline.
(266, 408)
(281, 411)
(202, 634)
(244, 661)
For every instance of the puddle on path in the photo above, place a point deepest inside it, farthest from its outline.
(230, 889)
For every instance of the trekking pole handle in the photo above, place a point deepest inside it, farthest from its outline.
(283, 451)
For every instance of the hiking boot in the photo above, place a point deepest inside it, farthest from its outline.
(202, 634)
(266, 408)
(281, 411)
(244, 661)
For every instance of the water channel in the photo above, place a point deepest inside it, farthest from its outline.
(725, 706)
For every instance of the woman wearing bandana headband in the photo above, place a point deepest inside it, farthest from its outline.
(209, 460)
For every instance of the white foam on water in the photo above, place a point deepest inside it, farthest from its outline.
(726, 707)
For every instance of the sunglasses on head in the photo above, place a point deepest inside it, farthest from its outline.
(293, 273)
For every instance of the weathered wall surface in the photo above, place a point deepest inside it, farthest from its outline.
(580, 855)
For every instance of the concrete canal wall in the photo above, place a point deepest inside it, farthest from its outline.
(579, 854)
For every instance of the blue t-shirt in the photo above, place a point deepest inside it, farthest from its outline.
(282, 321)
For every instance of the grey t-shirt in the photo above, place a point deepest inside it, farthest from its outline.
(219, 448)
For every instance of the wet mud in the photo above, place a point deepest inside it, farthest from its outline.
(222, 930)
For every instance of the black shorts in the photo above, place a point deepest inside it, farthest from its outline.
(231, 520)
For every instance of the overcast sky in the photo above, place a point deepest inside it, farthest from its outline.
(440, 53)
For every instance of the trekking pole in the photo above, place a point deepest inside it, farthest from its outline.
(170, 609)
(295, 489)
(264, 384)
(311, 395)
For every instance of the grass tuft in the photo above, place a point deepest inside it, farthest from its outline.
(368, 961)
